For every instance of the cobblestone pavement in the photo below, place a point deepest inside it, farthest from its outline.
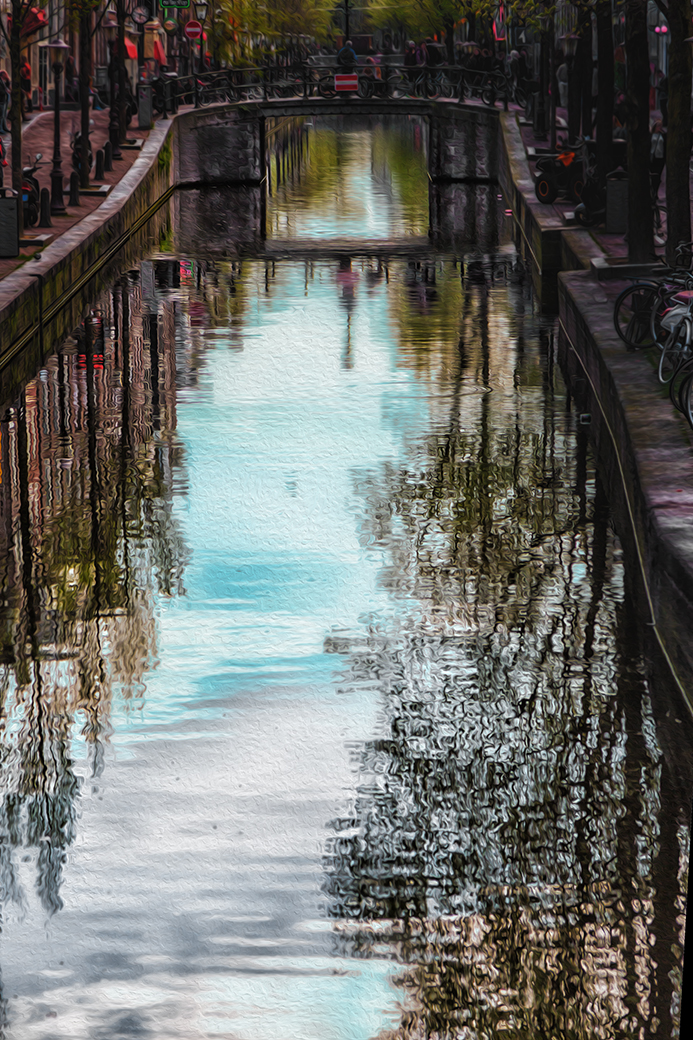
(38, 137)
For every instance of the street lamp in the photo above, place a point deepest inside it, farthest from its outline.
(201, 9)
(111, 27)
(57, 49)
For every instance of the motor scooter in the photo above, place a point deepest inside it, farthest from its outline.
(591, 209)
(31, 193)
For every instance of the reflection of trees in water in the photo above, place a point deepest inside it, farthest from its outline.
(88, 538)
(507, 843)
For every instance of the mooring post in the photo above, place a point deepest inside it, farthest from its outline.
(74, 189)
(45, 217)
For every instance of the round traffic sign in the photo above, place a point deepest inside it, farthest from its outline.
(193, 30)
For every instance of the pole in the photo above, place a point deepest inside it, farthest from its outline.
(347, 35)
(57, 201)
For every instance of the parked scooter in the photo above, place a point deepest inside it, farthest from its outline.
(592, 207)
(31, 193)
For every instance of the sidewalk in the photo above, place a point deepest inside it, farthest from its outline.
(614, 245)
(38, 137)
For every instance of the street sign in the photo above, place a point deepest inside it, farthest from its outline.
(193, 30)
(344, 81)
(176, 3)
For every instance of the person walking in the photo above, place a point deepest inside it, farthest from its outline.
(5, 94)
(25, 84)
(70, 79)
(346, 57)
(658, 157)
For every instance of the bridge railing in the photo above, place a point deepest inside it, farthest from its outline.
(386, 81)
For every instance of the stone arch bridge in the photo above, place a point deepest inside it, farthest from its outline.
(225, 145)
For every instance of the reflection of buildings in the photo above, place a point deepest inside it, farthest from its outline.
(87, 536)
(508, 844)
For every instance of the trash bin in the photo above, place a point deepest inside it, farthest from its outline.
(617, 202)
(144, 105)
(9, 223)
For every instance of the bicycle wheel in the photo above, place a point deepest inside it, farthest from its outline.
(674, 350)
(365, 88)
(632, 313)
(520, 97)
(488, 95)
(686, 398)
(445, 86)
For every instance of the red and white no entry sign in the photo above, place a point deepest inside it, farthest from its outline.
(344, 81)
(193, 30)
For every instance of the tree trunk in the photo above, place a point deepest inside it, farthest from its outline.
(574, 99)
(84, 99)
(640, 222)
(678, 136)
(122, 100)
(16, 107)
(605, 84)
(585, 50)
(450, 41)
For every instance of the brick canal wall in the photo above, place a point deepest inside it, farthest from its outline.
(42, 301)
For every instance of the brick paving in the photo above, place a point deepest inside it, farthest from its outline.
(38, 137)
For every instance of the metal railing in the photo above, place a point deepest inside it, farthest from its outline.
(392, 82)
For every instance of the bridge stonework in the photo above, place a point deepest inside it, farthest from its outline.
(225, 144)
(463, 143)
(220, 145)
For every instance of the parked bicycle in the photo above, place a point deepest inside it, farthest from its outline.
(658, 313)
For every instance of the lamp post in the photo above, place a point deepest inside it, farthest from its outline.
(201, 9)
(57, 49)
(111, 27)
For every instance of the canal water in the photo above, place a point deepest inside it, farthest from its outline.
(326, 710)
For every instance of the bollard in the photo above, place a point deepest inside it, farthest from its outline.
(45, 218)
(107, 157)
(74, 189)
(99, 175)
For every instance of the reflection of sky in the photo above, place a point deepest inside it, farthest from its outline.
(193, 902)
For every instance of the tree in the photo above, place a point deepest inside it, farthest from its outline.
(82, 12)
(640, 222)
(20, 12)
(678, 14)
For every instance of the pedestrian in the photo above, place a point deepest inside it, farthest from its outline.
(5, 95)
(346, 57)
(70, 79)
(410, 63)
(25, 84)
(658, 156)
(562, 79)
(664, 99)
(3, 163)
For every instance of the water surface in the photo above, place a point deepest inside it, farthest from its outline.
(326, 712)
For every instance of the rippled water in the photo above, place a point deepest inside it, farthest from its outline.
(326, 715)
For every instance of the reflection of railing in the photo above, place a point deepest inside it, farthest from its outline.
(391, 82)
